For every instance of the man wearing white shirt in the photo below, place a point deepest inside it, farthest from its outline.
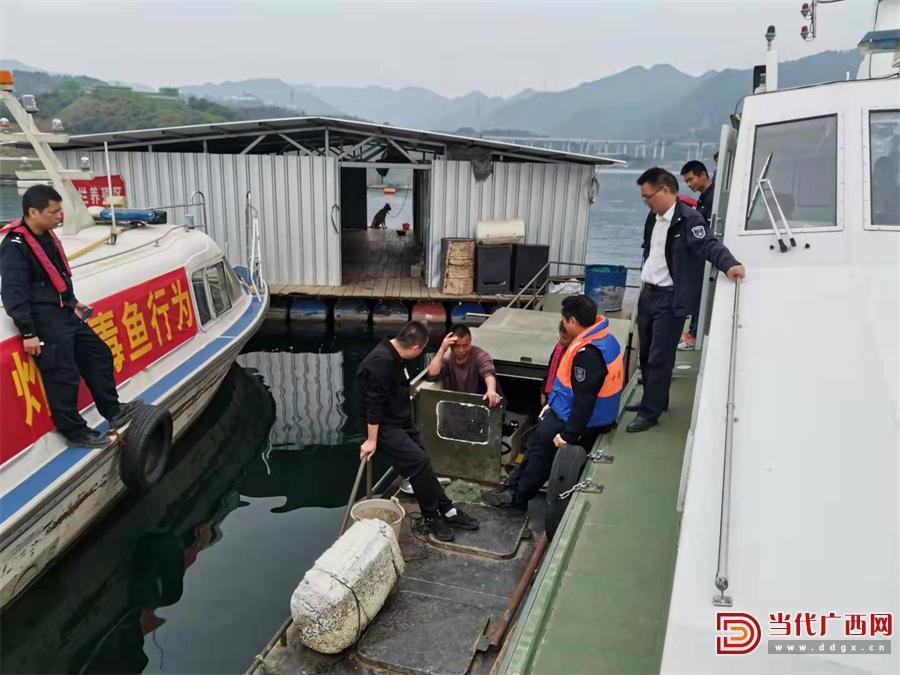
(677, 243)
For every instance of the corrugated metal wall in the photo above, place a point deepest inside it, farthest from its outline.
(294, 195)
(552, 199)
(309, 394)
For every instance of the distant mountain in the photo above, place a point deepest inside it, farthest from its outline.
(13, 64)
(268, 91)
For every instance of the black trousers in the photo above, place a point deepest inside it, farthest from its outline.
(403, 447)
(71, 350)
(659, 329)
(527, 478)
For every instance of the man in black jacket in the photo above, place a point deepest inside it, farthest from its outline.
(37, 294)
(576, 413)
(677, 243)
(383, 384)
(697, 178)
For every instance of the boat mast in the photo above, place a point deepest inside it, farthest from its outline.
(77, 216)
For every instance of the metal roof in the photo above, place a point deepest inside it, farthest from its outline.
(312, 133)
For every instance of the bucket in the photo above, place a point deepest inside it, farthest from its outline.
(605, 285)
(388, 510)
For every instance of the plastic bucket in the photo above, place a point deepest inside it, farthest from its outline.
(605, 285)
(388, 510)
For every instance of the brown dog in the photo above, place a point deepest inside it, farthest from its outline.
(380, 216)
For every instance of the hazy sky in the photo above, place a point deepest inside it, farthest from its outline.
(452, 47)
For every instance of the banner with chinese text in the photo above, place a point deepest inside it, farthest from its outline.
(140, 325)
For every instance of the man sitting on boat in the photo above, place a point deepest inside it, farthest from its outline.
(460, 366)
(383, 381)
(584, 401)
(38, 295)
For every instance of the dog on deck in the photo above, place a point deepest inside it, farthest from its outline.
(380, 217)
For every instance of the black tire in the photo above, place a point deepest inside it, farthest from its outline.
(566, 472)
(148, 442)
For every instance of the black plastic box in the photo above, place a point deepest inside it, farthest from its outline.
(493, 269)
(528, 259)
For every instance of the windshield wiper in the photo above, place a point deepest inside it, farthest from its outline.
(763, 183)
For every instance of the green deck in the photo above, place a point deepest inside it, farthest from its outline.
(601, 598)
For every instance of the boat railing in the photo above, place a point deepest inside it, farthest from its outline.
(531, 294)
(254, 243)
(721, 581)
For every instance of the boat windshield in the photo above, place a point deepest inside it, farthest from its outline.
(802, 172)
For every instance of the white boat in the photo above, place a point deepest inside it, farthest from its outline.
(175, 315)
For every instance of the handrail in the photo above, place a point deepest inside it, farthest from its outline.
(721, 581)
(202, 204)
(537, 292)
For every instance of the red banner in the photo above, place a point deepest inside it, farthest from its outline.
(93, 192)
(140, 325)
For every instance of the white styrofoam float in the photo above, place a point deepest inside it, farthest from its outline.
(511, 231)
(346, 587)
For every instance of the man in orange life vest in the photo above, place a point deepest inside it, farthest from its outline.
(584, 401)
(37, 294)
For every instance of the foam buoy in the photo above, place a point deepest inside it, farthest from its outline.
(466, 314)
(308, 310)
(389, 312)
(430, 313)
(351, 310)
(148, 442)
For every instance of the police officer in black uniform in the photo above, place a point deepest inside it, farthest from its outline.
(677, 243)
(37, 294)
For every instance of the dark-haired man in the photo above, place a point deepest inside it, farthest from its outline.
(38, 295)
(461, 366)
(677, 243)
(383, 382)
(583, 403)
(697, 178)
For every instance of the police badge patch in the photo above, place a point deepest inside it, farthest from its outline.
(698, 231)
(580, 373)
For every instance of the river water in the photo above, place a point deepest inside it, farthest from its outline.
(196, 575)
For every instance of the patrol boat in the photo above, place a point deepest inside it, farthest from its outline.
(756, 528)
(175, 315)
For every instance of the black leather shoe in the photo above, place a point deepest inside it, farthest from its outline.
(88, 438)
(634, 407)
(639, 424)
(460, 519)
(499, 498)
(126, 412)
(439, 528)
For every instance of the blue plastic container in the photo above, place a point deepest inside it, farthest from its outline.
(605, 285)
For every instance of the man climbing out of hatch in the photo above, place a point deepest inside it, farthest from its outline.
(380, 216)
(383, 382)
(584, 401)
(460, 366)
(38, 295)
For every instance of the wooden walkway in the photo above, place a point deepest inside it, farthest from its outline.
(376, 265)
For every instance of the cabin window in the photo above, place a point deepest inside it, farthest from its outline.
(884, 167)
(218, 288)
(199, 286)
(235, 290)
(799, 161)
(465, 422)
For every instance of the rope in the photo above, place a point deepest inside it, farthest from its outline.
(417, 530)
(360, 612)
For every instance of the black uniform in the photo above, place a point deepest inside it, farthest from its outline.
(527, 478)
(383, 382)
(704, 206)
(662, 309)
(70, 349)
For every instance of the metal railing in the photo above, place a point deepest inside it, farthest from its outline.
(532, 292)
(721, 581)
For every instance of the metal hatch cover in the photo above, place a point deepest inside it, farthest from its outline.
(403, 636)
(519, 335)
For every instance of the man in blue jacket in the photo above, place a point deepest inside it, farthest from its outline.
(677, 243)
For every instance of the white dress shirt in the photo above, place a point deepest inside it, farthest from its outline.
(656, 270)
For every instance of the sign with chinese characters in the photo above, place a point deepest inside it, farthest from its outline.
(140, 325)
(94, 191)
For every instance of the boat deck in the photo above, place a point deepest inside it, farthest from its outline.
(600, 602)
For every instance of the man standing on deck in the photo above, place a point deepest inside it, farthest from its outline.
(697, 178)
(37, 294)
(584, 401)
(383, 381)
(465, 368)
(677, 243)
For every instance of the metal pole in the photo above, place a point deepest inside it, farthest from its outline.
(721, 582)
(368, 480)
(359, 473)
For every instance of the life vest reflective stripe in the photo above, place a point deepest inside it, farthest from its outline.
(606, 408)
(49, 268)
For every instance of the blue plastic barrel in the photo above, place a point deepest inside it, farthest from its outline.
(605, 285)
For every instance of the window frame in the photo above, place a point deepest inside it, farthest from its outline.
(839, 176)
(203, 270)
(868, 204)
(226, 291)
